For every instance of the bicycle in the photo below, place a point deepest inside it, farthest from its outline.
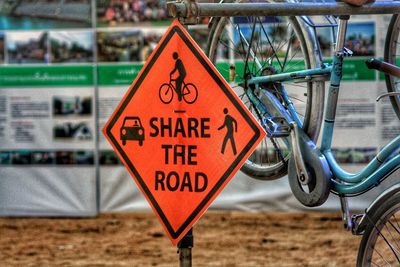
(292, 116)
(189, 92)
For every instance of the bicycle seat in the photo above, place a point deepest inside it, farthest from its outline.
(358, 2)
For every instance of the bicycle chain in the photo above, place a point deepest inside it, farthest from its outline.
(282, 158)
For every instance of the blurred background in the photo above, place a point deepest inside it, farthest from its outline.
(66, 64)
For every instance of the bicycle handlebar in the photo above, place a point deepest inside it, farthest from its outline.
(383, 66)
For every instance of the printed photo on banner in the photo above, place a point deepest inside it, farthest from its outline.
(360, 38)
(76, 130)
(5, 158)
(45, 14)
(80, 157)
(43, 157)
(117, 13)
(27, 47)
(71, 46)
(127, 45)
(72, 105)
(48, 47)
(119, 46)
(109, 157)
(21, 157)
(151, 37)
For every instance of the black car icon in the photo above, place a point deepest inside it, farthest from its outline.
(132, 129)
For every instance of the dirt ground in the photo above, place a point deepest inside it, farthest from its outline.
(137, 239)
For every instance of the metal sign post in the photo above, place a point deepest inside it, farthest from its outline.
(185, 249)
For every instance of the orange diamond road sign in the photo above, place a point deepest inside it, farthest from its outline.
(181, 132)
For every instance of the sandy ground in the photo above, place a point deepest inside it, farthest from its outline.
(137, 239)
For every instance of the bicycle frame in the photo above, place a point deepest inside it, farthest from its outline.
(289, 76)
(380, 166)
(172, 81)
(345, 183)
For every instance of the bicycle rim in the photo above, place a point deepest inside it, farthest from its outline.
(189, 93)
(279, 46)
(166, 93)
(381, 241)
(392, 55)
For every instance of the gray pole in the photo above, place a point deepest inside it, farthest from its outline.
(189, 9)
(185, 250)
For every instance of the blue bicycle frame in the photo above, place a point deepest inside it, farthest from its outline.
(344, 183)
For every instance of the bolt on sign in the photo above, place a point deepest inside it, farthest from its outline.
(181, 132)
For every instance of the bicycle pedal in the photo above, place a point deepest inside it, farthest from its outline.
(355, 219)
(276, 127)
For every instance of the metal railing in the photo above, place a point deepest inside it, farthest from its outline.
(191, 9)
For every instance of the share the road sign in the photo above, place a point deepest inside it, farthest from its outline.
(181, 132)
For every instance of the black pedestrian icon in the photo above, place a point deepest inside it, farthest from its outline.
(231, 127)
(185, 91)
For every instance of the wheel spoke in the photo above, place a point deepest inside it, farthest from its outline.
(397, 222)
(380, 255)
(379, 232)
(258, 45)
(390, 232)
(375, 263)
(272, 47)
(392, 248)
(287, 53)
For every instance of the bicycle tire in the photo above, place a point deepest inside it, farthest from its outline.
(383, 225)
(166, 93)
(392, 49)
(190, 97)
(261, 165)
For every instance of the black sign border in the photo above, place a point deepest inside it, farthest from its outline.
(221, 84)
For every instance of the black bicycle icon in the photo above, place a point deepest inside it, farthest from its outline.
(189, 92)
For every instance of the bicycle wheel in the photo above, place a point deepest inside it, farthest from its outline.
(380, 245)
(189, 93)
(391, 55)
(166, 93)
(278, 45)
